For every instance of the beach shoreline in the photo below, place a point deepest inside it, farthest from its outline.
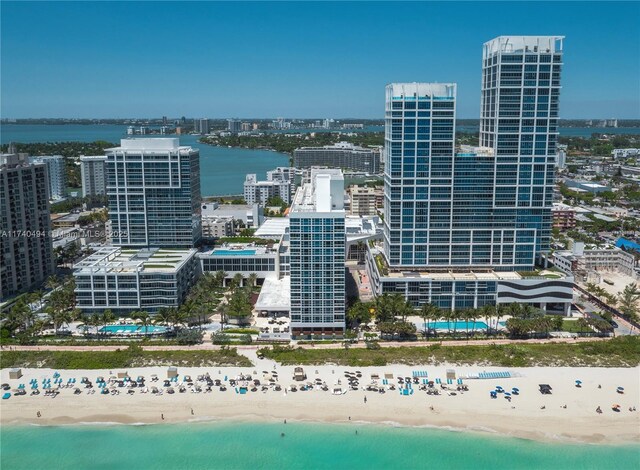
(472, 411)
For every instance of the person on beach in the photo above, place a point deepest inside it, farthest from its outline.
(38, 414)
(365, 399)
(285, 421)
(162, 416)
(191, 411)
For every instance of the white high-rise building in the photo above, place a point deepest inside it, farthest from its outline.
(153, 186)
(56, 174)
(317, 246)
(94, 175)
(259, 192)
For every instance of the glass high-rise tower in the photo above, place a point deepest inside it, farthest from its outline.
(317, 243)
(484, 208)
(519, 122)
(153, 187)
(418, 175)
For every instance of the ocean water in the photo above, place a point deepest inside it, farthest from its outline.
(304, 446)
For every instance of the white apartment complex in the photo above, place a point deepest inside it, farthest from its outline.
(317, 256)
(94, 175)
(259, 192)
(56, 174)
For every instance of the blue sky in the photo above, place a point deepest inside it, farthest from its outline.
(104, 59)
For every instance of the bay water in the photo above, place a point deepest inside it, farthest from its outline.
(223, 169)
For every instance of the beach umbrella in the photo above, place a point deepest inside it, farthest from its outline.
(578, 382)
(620, 389)
(507, 394)
(515, 390)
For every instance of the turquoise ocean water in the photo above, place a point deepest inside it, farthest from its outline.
(304, 446)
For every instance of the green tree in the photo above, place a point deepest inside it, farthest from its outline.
(359, 313)
(429, 312)
(143, 318)
(628, 301)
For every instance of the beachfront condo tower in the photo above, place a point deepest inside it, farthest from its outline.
(519, 123)
(317, 247)
(153, 186)
(465, 227)
(26, 249)
(418, 175)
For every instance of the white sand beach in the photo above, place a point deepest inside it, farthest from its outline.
(529, 415)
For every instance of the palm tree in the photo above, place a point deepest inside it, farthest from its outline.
(465, 317)
(253, 279)
(428, 311)
(219, 278)
(108, 317)
(180, 317)
(237, 280)
(143, 318)
(628, 300)
(164, 316)
(52, 282)
(473, 314)
(59, 318)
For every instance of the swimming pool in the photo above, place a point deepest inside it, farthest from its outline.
(457, 325)
(133, 329)
(223, 252)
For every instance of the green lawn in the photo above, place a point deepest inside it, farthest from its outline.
(129, 357)
(572, 326)
(618, 352)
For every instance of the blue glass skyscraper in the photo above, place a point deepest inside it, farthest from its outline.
(419, 145)
(485, 208)
(519, 122)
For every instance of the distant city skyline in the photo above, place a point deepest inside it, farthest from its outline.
(302, 60)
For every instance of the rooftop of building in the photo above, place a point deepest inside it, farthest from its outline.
(325, 193)
(340, 146)
(131, 260)
(92, 158)
(12, 160)
(273, 227)
(455, 274)
(415, 90)
(46, 157)
(356, 227)
(509, 44)
(238, 249)
(275, 294)
(152, 145)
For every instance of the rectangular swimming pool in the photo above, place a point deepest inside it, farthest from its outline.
(223, 252)
(133, 329)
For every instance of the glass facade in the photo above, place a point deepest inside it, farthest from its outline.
(519, 121)
(317, 256)
(490, 208)
(154, 196)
